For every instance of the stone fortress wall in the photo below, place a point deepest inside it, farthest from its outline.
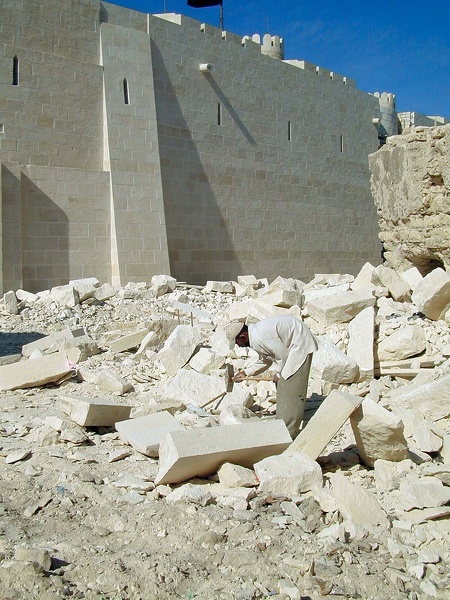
(122, 158)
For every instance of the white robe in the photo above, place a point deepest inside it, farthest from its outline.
(284, 340)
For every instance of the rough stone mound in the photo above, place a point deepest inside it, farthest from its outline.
(411, 189)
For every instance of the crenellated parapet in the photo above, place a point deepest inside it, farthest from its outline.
(388, 115)
(321, 72)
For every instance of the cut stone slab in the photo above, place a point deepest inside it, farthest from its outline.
(402, 343)
(356, 503)
(188, 309)
(331, 364)
(178, 348)
(288, 475)
(145, 433)
(129, 341)
(390, 279)
(326, 422)
(378, 433)
(340, 308)
(360, 346)
(432, 294)
(34, 372)
(94, 412)
(200, 452)
(55, 340)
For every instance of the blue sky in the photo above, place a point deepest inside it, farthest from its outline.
(401, 46)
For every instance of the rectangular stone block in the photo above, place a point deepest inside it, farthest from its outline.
(58, 337)
(145, 433)
(94, 412)
(340, 308)
(34, 372)
(326, 422)
(129, 341)
(200, 452)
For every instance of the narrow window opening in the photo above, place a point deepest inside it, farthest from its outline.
(289, 131)
(219, 114)
(341, 143)
(126, 92)
(15, 71)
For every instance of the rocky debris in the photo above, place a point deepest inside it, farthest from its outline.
(353, 507)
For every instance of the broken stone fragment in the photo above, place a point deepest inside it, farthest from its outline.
(431, 399)
(402, 343)
(331, 364)
(41, 556)
(105, 292)
(390, 279)
(111, 382)
(129, 341)
(205, 361)
(178, 348)
(225, 287)
(55, 340)
(432, 294)
(288, 475)
(94, 412)
(378, 433)
(65, 295)
(162, 284)
(356, 503)
(191, 387)
(361, 339)
(426, 492)
(10, 303)
(234, 476)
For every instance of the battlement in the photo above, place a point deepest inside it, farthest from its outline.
(321, 72)
(386, 99)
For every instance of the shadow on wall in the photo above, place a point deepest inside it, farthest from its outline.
(200, 246)
(45, 239)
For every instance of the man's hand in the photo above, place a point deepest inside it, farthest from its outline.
(240, 376)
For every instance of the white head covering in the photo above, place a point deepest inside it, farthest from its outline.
(233, 328)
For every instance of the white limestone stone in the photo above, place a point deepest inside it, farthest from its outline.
(432, 294)
(340, 308)
(431, 399)
(331, 364)
(239, 396)
(426, 492)
(10, 303)
(177, 308)
(66, 295)
(94, 412)
(34, 372)
(40, 556)
(364, 277)
(105, 292)
(196, 493)
(85, 287)
(134, 483)
(335, 290)
(282, 292)
(178, 348)
(225, 287)
(162, 284)
(389, 473)
(111, 382)
(412, 277)
(206, 361)
(55, 340)
(235, 415)
(402, 343)
(425, 438)
(78, 349)
(17, 456)
(24, 296)
(378, 433)
(390, 279)
(234, 476)
(191, 387)
(288, 475)
(129, 341)
(236, 498)
(360, 345)
(356, 503)
(200, 452)
(145, 433)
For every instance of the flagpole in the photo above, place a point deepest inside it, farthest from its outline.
(221, 15)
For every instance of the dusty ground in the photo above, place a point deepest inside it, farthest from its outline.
(108, 542)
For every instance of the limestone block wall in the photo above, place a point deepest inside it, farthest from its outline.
(132, 156)
(411, 188)
(264, 164)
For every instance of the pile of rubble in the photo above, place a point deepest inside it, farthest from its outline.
(120, 433)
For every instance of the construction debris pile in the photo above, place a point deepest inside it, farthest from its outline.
(130, 468)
